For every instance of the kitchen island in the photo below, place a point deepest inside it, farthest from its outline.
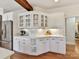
(5, 53)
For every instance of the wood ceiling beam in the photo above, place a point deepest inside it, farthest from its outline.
(25, 4)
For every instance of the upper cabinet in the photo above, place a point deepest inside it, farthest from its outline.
(33, 20)
(41, 20)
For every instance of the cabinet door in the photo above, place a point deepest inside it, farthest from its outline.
(16, 43)
(22, 45)
(53, 44)
(61, 46)
(33, 48)
(28, 20)
(25, 45)
(21, 21)
(35, 20)
(43, 45)
(25, 20)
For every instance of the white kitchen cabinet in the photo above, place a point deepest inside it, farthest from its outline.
(25, 20)
(33, 20)
(16, 42)
(33, 50)
(40, 45)
(24, 45)
(21, 22)
(58, 45)
(53, 44)
(41, 20)
(43, 45)
(27, 46)
(61, 45)
(21, 44)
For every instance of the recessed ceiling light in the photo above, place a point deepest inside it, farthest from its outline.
(56, 0)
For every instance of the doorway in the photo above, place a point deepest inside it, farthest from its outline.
(77, 29)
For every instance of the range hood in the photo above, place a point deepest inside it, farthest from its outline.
(25, 4)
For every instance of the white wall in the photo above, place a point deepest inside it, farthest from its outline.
(57, 21)
(69, 11)
(1, 11)
(8, 16)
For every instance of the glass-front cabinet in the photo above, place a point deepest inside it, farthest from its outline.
(33, 20)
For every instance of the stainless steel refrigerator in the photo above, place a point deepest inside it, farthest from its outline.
(0, 29)
(7, 36)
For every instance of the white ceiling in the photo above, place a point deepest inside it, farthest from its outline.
(51, 4)
(10, 5)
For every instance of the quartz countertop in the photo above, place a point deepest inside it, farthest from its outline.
(4, 53)
(40, 36)
(46, 36)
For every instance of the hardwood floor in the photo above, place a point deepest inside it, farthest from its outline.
(72, 53)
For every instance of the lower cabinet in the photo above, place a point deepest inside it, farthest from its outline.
(42, 45)
(58, 45)
(37, 46)
(53, 45)
(33, 50)
(16, 44)
(24, 45)
(21, 44)
(61, 46)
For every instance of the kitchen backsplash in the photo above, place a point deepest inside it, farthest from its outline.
(37, 32)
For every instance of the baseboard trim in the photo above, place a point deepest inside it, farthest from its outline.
(77, 39)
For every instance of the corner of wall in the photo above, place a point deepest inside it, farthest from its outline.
(1, 11)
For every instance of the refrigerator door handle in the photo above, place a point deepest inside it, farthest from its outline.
(5, 33)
